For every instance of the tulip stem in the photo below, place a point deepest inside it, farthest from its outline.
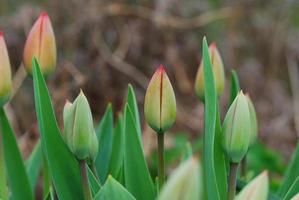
(84, 179)
(161, 162)
(243, 167)
(232, 181)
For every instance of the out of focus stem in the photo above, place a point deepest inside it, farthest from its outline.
(232, 181)
(161, 161)
(84, 178)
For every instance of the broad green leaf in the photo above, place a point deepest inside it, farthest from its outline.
(112, 190)
(291, 174)
(234, 86)
(105, 134)
(210, 117)
(95, 186)
(137, 178)
(3, 184)
(293, 190)
(63, 166)
(117, 156)
(34, 163)
(131, 100)
(16, 173)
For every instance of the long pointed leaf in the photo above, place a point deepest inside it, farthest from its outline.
(131, 100)
(63, 166)
(34, 163)
(95, 186)
(3, 184)
(293, 190)
(17, 177)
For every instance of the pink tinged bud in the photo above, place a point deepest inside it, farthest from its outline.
(41, 45)
(5, 71)
(256, 189)
(160, 104)
(218, 72)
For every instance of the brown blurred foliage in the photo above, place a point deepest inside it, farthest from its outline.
(104, 45)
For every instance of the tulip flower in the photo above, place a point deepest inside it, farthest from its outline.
(218, 72)
(255, 189)
(5, 80)
(79, 133)
(253, 132)
(160, 104)
(184, 183)
(41, 45)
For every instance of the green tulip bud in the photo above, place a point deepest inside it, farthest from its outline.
(5, 80)
(184, 183)
(236, 129)
(256, 189)
(218, 72)
(79, 132)
(253, 132)
(159, 103)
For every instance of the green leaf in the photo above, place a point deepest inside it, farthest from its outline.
(34, 163)
(3, 184)
(291, 174)
(112, 190)
(17, 177)
(210, 115)
(234, 86)
(105, 134)
(63, 166)
(293, 190)
(95, 186)
(131, 100)
(137, 177)
(117, 156)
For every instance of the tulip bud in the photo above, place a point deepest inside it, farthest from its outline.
(184, 183)
(5, 80)
(159, 103)
(218, 72)
(41, 45)
(255, 189)
(236, 129)
(253, 132)
(79, 132)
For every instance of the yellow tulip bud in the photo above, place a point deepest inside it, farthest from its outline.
(41, 45)
(5, 80)
(218, 72)
(159, 103)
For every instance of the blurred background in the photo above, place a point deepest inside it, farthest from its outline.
(104, 45)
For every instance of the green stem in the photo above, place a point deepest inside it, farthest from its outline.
(3, 186)
(84, 178)
(243, 167)
(232, 181)
(161, 162)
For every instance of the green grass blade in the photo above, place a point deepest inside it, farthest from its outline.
(113, 190)
(209, 126)
(131, 100)
(137, 177)
(95, 185)
(234, 86)
(63, 166)
(117, 156)
(291, 174)
(293, 190)
(16, 173)
(34, 163)
(105, 135)
(3, 184)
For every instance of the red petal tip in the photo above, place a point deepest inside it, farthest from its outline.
(43, 14)
(213, 45)
(161, 68)
(1, 33)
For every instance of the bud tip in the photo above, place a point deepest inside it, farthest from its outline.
(43, 14)
(1, 33)
(161, 68)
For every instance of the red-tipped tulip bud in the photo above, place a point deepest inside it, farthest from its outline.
(5, 80)
(253, 132)
(41, 45)
(256, 189)
(218, 72)
(236, 129)
(160, 104)
(79, 132)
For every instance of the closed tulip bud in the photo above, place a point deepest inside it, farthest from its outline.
(253, 132)
(255, 189)
(160, 104)
(236, 129)
(79, 132)
(5, 80)
(218, 72)
(41, 45)
(184, 183)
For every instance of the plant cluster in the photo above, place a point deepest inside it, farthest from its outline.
(108, 162)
